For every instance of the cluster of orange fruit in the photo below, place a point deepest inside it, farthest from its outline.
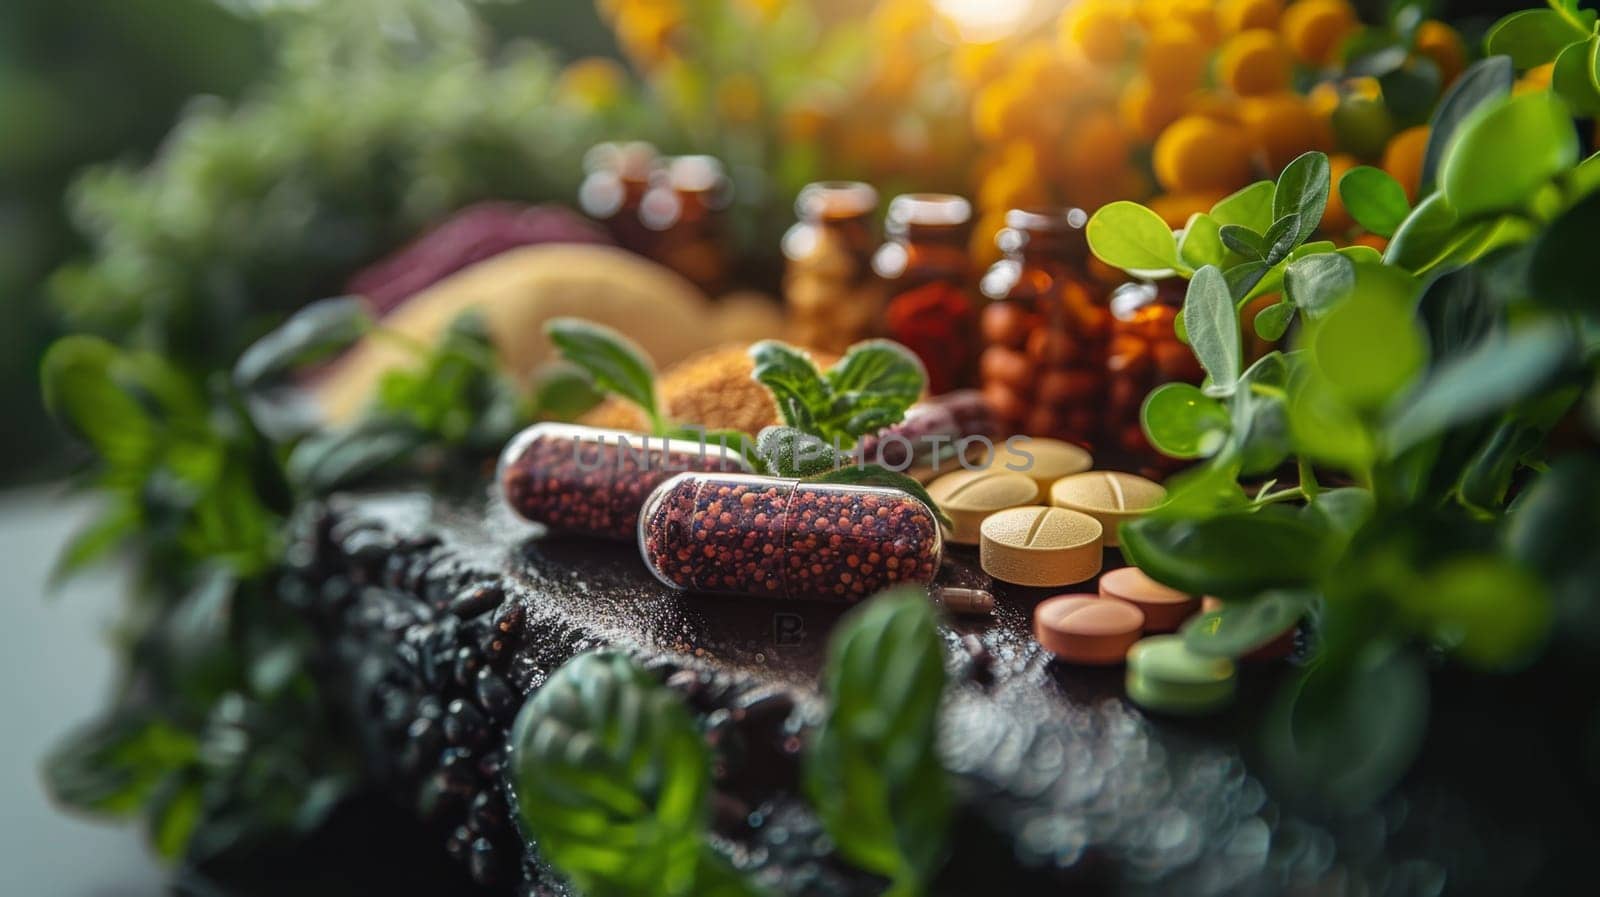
(1180, 102)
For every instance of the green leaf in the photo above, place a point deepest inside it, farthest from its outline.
(614, 362)
(1245, 279)
(175, 815)
(1213, 326)
(1504, 151)
(1302, 191)
(563, 391)
(1129, 236)
(1233, 554)
(1325, 429)
(1532, 37)
(870, 388)
(1346, 732)
(1240, 627)
(1374, 199)
(796, 386)
(1201, 243)
(323, 463)
(878, 475)
(314, 333)
(1574, 77)
(1183, 422)
(1410, 90)
(1281, 238)
(79, 391)
(1244, 241)
(1317, 283)
(1485, 609)
(1458, 311)
(873, 770)
(1248, 207)
(1370, 346)
(613, 779)
(1550, 530)
(1346, 509)
(1494, 375)
(1483, 81)
(1560, 274)
(791, 452)
(114, 765)
(1273, 321)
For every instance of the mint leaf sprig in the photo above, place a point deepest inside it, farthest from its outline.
(825, 413)
(613, 783)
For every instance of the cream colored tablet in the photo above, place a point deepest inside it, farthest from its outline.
(969, 496)
(1039, 546)
(1108, 496)
(1042, 459)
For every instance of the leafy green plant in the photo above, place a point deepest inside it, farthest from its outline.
(869, 388)
(613, 782)
(219, 736)
(872, 770)
(1421, 384)
(1562, 34)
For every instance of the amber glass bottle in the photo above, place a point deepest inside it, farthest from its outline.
(833, 296)
(1145, 353)
(685, 211)
(616, 178)
(1044, 329)
(929, 275)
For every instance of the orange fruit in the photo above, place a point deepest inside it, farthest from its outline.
(1534, 79)
(1402, 158)
(1373, 240)
(1281, 126)
(1200, 15)
(1197, 154)
(1335, 220)
(1440, 43)
(1254, 62)
(975, 64)
(593, 81)
(1175, 58)
(1099, 32)
(1146, 109)
(1313, 29)
(1234, 16)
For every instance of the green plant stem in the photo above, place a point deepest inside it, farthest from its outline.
(1308, 479)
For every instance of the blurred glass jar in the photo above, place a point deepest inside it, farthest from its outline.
(928, 272)
(685, 211)
(1145, 353)
(834, 298)
(616, 178)
(1044, 329)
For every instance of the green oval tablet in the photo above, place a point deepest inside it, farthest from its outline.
(1164, 675)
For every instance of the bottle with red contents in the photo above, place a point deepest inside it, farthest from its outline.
(929, 275)
(1044, 329)
(1145, 353)
(834, 298)
(616, 178)
(685, 211)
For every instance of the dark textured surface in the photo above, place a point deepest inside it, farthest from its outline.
(443, 614)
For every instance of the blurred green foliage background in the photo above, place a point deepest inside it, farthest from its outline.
(85, 83)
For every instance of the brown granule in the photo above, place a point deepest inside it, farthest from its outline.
(712, 389)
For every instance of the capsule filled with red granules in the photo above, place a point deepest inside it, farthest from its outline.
(786, 538)
(591, 481)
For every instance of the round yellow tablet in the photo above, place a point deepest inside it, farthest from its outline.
(1040, 458)
(970, 496)
(1040, 546)
(1108, 496)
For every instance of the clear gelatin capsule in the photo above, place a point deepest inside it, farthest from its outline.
(784, 538)
(590, 481)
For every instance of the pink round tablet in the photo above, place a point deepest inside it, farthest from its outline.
(1164, 608)
(1087, 629)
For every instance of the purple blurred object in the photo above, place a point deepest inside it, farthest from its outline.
(471, 235)
(951, 416)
